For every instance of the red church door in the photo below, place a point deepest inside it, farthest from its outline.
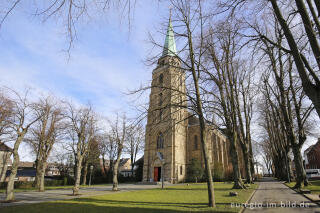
(157, 173)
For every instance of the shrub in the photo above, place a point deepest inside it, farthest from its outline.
(195, 171)
(218, 172)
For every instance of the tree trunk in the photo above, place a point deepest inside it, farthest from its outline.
(3, 172)
(311, 90)
(251, 159)
(238, 184)
(317, 3)
(115, 175)
(300, 172)
(42, 173)
(85, 172)
(201, 121)
(207, 164)
(15, 165)
(14, 169)
(247, 165)
(132, 165)
(110, 171)
(77, 177)
(309, 26)
(38, 174)
(287, 164)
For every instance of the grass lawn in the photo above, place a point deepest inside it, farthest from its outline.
(53, 187)
(314, 186)
(181, 198)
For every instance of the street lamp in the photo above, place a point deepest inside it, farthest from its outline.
(91, 168)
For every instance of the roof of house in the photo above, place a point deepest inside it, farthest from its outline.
(5, 148)
(123, 161)
(308, 149)
(24, 173)
(312, 147)
(26, 164)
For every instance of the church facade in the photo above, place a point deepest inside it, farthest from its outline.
(172, 137)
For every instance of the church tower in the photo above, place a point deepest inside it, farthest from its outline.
(166, 131)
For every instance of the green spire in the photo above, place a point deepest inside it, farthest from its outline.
(169, 48)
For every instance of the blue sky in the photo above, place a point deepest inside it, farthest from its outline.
(106, 61)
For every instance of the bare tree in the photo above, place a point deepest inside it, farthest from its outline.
(266, 155)
(189, 13)
(6, 106)
(134, 143)
(299, 25)
(277, 140)
(224, 72)
(118, 132)
(45, 133)
(69, 12)
(108, 150)
(81, 131)
(291, 102)
(91, 158)
(24, 116)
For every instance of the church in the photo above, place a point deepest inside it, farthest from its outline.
(172, 137)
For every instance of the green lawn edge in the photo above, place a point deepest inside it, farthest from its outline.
(178, 198)
(314, 186)
(54, 187)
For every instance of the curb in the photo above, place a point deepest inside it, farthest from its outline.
(249, 199)
(316, 202)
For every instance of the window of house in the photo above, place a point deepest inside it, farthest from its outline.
(195, 142)
(160, 141)
(180, 170)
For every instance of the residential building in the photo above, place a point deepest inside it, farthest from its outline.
(5, 161)
(312, 156)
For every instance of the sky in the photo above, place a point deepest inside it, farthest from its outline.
(107, 59)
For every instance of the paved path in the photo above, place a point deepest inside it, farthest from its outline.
(64, 194)
(274, 196)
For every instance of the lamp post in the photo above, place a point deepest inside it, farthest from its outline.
(91, 168)
(162, 171)
(160, 156)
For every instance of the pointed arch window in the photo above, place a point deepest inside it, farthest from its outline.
(160, 99)
(195, 142)
(160, 114)
(160, 141)
(161, 79)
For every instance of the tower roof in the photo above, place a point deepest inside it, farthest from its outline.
(169, 48)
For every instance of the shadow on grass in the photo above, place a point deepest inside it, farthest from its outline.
(92, 208)
(196, 189)
(124, 202)
(184, 189)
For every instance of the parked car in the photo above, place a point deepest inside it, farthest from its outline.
(313, 173)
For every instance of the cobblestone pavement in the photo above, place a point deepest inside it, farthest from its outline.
(274, 196)
(64, 194)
